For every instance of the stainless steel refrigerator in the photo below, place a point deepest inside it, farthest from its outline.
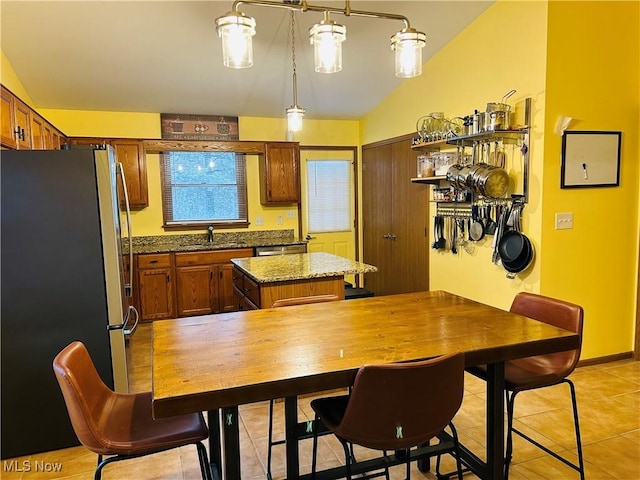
(62, 279)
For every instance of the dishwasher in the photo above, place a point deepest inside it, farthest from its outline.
(272, 250)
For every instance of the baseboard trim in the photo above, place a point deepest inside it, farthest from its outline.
(606, 359)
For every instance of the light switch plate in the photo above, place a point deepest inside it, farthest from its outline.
(259, 220)
(291, 214)
(564, 221)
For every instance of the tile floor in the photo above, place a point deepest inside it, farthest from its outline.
(608, 401)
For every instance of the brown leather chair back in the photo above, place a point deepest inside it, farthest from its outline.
(85, 394)
(287, 302)
(554, 312)
(399, 405)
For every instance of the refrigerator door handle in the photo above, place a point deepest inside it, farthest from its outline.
(129, 331)
(128, 289)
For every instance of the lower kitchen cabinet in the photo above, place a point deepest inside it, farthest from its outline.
(155, 286)
(200, 282)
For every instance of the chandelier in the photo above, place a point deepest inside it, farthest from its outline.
(237, 29)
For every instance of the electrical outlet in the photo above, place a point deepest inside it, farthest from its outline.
(279, 220)
(291, 214)
(564, 221)
(259, 220)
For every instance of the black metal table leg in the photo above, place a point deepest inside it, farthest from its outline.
(215, 447)
(495, 421)
(231, 438)
(291, 436)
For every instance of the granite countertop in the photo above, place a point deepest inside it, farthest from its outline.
(222, 240)
(282, 268)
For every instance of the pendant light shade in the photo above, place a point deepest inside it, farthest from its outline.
(236, 29)
(294, 118)
(326, 38)
(408, 44)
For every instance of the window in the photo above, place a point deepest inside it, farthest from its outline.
(328, 195)
(202, 188)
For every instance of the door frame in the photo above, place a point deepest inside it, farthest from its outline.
(356, 218)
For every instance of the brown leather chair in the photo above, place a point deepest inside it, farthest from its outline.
(542, 370)
(116, 424)
(395, 406)
(289, 302)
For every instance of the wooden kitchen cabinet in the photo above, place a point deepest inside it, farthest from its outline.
(22, 114)
(155, 286)
(129, 152)
(280, 173)
(38, 132)
(204, 282)
(8, 123)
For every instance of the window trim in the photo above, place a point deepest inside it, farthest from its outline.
(241, 173)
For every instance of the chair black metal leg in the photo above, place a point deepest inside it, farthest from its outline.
(509, 453)
(576, 424)
(270, 445)
(347, 456)
(205, 468)
(314, 455)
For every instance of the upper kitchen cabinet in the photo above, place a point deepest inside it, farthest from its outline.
(22, 128)
(280, 173)
(16, 122)
(130, 153)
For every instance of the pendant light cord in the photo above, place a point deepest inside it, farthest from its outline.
(293, 59)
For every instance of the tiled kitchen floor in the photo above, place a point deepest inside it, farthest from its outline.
(608, 402)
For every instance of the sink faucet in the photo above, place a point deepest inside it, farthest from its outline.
(210, 234)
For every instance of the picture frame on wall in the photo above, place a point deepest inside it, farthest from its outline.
(590, 159)
(175, 126)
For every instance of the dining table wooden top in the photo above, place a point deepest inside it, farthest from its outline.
(213, 361)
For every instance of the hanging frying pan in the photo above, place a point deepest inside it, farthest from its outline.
(476, 229)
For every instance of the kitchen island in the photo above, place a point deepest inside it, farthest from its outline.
(260, 281)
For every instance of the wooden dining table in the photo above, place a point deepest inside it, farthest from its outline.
(215, 363)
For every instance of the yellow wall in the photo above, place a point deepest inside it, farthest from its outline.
(593, 67)
(147, 125)
(493, 55)
(578, 59)
(10, 80)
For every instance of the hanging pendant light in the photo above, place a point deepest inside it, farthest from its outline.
(294, 112)
(236, 29)
(326, 38)
(408, 44)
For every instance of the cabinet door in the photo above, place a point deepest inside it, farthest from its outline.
(156, 293)
(196, 290)
(23, 123)
(7, 119)
(226, 302)
(280, 173)
(37, 132)
(131, 154)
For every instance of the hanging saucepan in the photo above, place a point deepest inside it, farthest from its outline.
(491, 181)
(453, 173)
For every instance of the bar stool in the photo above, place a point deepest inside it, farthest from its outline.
(288, 302)
(542, 370)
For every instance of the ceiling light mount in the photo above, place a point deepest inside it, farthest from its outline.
(236, 30)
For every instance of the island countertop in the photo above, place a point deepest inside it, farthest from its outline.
(282, 268)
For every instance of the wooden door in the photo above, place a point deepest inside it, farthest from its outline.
(37, 132)
(395, 219)
(377, 217)
(156, 293)
(195, 290)
(410, 218)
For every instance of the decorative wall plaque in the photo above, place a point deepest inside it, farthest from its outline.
(590, 159)
(198, 127)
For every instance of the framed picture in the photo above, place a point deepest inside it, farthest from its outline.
(176, 126)
(590, 159)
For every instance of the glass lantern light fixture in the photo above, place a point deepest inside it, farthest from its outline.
(236, 30)
(294, 112)
(326, 38)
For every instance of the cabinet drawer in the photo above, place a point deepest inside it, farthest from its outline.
(252, 290)
(211, 256)
(155, 260)
(237, 277)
